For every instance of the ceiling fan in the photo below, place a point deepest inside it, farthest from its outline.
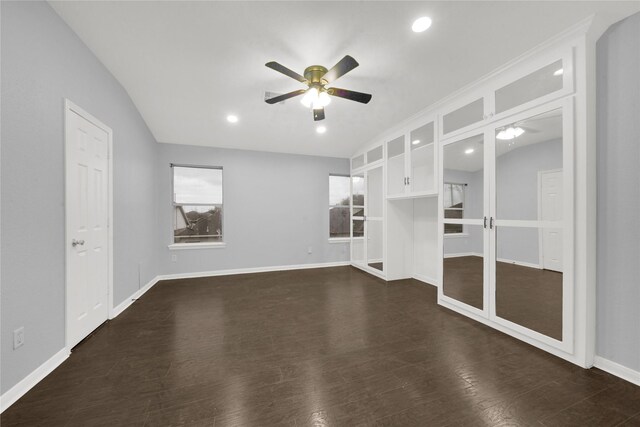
(316, 77)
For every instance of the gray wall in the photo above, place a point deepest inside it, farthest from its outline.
(275, 207)
(44, 62)
(516, 198)
(618, 236)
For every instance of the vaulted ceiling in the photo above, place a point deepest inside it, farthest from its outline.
(187, 65)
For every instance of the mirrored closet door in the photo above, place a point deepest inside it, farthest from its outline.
(529, 203)
(367, 225)
(357, 218)
(374, 218)
(464, 202)
(507, 247)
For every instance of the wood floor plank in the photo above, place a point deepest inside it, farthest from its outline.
(320, 347)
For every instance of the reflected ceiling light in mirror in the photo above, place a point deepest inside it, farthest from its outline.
(558, 72)
(415, 142)
(509, 132)
(321, 129)
(231, 118)
(469, 151)
(421, 24)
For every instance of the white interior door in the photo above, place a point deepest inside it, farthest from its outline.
(87, 211)
(551, 210)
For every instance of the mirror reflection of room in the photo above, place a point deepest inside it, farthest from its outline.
(529, 178)
(463, 200)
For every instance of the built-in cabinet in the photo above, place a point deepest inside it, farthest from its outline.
(485, 195)
(411, 163)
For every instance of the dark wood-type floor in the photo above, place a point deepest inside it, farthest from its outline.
(325, 347)
(527, 296)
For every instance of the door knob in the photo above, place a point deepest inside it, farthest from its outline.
(75, 242)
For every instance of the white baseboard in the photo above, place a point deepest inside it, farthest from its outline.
(20, 389)
(520, 263)
(251, 270)
(126, 303)
(426, 279)
(618, 370)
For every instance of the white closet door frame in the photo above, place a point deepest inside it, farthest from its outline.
(567, 343)
(71, 108)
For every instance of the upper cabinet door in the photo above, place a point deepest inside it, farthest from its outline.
(374, 154)
(546, 79)
(463, 116)
(396, 160)
(422, 177)
(357, 162)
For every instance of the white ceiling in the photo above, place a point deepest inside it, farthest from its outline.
(186, 65)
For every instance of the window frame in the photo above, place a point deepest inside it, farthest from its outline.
(195, 245)
(464, 232)
(347, 207)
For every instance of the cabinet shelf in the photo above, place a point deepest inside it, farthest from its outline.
(413, 195)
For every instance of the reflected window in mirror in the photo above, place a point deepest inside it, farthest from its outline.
(453, 196)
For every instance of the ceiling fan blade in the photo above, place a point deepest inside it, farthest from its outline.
(343, 66)
(285, 96)
(318, 114)
(350, 95)
(287, 72)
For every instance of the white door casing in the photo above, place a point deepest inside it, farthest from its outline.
(88, 208)
(551, 211)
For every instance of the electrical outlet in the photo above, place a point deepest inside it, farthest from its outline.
(309, 249)
(18, 337)
(174, 258)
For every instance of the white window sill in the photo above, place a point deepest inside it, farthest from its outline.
(205, 245)
(456, 235)
(339, 240)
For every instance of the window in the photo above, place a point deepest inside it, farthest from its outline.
(197, 204)
(453, 206)
(339, 195)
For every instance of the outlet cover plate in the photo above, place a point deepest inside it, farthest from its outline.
(18, 338)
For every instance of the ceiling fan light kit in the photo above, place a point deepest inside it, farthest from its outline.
(316, 77)
(510, 133)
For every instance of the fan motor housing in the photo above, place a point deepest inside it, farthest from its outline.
(314, 74)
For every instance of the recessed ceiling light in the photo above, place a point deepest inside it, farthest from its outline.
(415, 142)
(469, 151)
(232, 119)
(421, 24)
(558, 72)
(321, 129)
